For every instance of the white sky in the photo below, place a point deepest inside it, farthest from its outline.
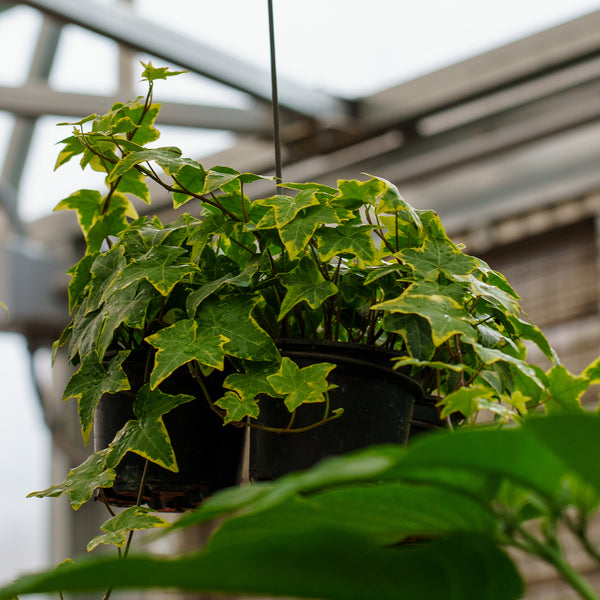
(345, 47)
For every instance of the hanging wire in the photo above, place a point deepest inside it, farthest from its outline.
(274, 94)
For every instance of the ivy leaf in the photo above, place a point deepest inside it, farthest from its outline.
(134, 182)
(494, 295)
(182, 343)
(86, 203)
(354, 193)
(128, 307)
(404, 361)
(242, 401)
(437, 257)
(218, 177)
(305, 283)
(414, 330)
(392, 202)
(148, 436)
(152, 73)
(162, 266)
(529, 331)
(237, 407)
(346, 239)
(296, 234)
(82, 480)
(169, 158)
(90, 382)
(300, 386)
(465, 400)
(284, 208)
(80, 277)
(233, 319)
(566, 390)
(73, 146)
(118, 527)
(445, 315)
(491, 355)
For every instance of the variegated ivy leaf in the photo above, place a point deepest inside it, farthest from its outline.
(528, 331)
(237, 407)
(90, 382)
(592, 371)
(107, 225)
(566, 390)
(118, 527)
(232, 317)
(493, 295)
(82, 480)
(492, 355)
(182, 343)
(134, 182)
(73, 146)
(404, 361)
(147, 436)
(301, 385)
(284, 208)
(296, 234)
(189, 179)
(465, 400)
(445, 315)
(130, 307)
(305, 283)
(354, 193)
(219, 177)
(392, 202)
(169, 159)
(162, 266)
(80, 277)
(89, 206)
(346, 239)
(414, 330)
(437, 257)
(152, 73)
(242, 401)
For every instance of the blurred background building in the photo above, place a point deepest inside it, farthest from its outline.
(490, 115)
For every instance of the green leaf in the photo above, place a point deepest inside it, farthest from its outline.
(566, 390)
(437, 257)
(465, 400)
(148, 436)
(284, 208)
(445, 315)
(233, 319)
(90, 382)
(237, 407)
(491, 355)
(118, 527)
(73, 146)
(87, 204)
(296, 234)
(134, 182)
(151, 73)
(346, 240)
(386, 513)
(405, 361)
(392, 202)
(331, 565)
(414, 330)
(182, 343)
(162, 266)
(301, 386)
(82, 480)
(494, 295)
(305, 283)
(168, 158)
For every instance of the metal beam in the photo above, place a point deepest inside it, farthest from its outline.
(35, 99)
(123, 25)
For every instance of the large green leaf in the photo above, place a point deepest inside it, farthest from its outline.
(90, 382)
(387, 513)
(330, 564)
(182, 343)
(300, 386)
(118, 527)
(148, 436)
(233, 319)
(414, 330)
(82, 480)
(305, 283)
(284, 208)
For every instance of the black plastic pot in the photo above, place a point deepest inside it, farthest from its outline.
(208, 453)
(377, 402)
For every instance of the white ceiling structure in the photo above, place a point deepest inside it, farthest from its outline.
(488, 137)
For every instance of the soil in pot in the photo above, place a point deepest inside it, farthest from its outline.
(377, 401)
(208, 453)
